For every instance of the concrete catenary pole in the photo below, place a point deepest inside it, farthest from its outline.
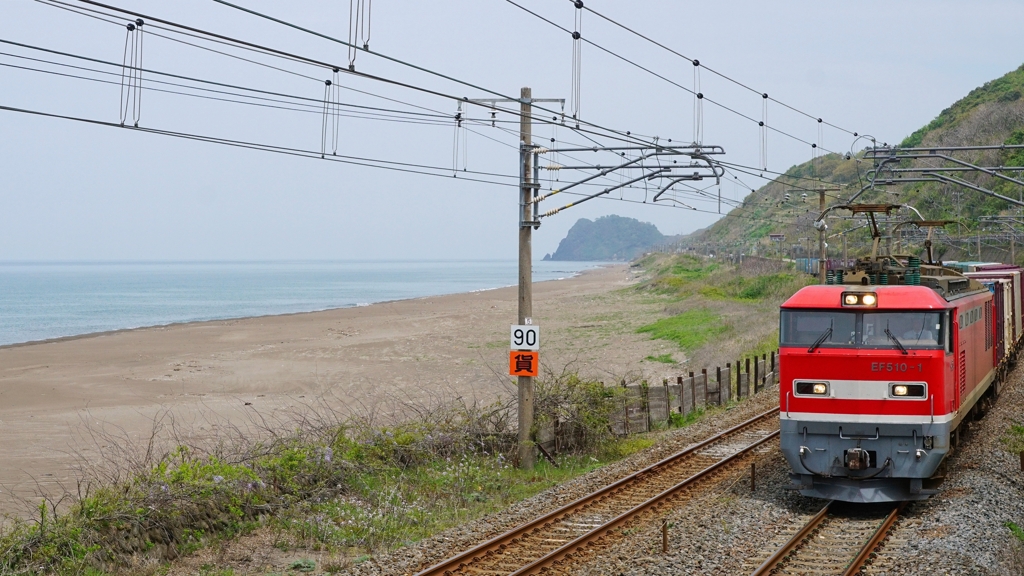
(527, 452)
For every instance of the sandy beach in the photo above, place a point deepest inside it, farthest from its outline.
(55, 395)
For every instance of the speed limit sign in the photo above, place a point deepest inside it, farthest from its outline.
(525, 337)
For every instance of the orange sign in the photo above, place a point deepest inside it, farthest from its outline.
(523, 363)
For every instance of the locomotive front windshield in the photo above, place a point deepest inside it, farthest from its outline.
(849, 329)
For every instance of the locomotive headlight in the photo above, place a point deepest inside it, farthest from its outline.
(907, 391)
(859, 299)
(811, 388)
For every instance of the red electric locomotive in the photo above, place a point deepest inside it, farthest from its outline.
(879, 370)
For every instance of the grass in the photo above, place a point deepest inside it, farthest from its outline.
(1014, 439)
(690, 330)
(717, 312)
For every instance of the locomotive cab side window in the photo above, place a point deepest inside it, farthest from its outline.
(947, 330)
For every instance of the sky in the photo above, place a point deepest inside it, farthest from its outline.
(72, 191)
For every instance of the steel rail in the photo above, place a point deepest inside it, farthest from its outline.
(775, 559)
(876, 539)
(580, 543)
(481, 550)
(779, 558)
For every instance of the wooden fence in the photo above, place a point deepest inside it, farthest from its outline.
(646, 407)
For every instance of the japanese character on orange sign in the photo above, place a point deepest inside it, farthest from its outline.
(523, 363)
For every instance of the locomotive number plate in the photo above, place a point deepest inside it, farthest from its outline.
(895, 367)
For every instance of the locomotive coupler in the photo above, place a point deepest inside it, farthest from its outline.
(857, 459)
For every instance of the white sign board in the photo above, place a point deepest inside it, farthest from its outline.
(526, 337)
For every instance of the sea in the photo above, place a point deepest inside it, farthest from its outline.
(43, 300)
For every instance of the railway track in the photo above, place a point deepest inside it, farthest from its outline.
(830, 543)
(557, 537)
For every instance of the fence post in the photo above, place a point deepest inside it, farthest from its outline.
(668, 401)
(751, 382)
(773, 360)
(625, 413)
(718, 377)
(704, 374)
(679, 380)
(739, 371)
(693, 391)
(644, 389)
(764, 377)
(728, 374)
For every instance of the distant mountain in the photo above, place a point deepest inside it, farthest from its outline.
(608, 238)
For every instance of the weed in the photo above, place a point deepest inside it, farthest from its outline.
(677, 420)
(625, 447)
(303, 565)
(1016, 530)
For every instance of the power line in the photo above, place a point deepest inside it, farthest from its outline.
(712, 70)
(82, 11)
(309, 108)
(352, 160)
(666, 79)
(444, 172)
(609, 133)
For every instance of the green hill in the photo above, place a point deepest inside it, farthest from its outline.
(992, 114)
(608, 238)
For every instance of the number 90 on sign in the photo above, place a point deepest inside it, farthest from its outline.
(525, 338)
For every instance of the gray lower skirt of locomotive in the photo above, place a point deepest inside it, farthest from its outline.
(902, 456)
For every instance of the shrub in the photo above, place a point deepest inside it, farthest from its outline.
(582, 409)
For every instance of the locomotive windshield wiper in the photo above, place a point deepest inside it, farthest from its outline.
(895, 341)
(824, 336)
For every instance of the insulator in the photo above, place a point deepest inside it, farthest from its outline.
(552, 167)
(541, 150)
